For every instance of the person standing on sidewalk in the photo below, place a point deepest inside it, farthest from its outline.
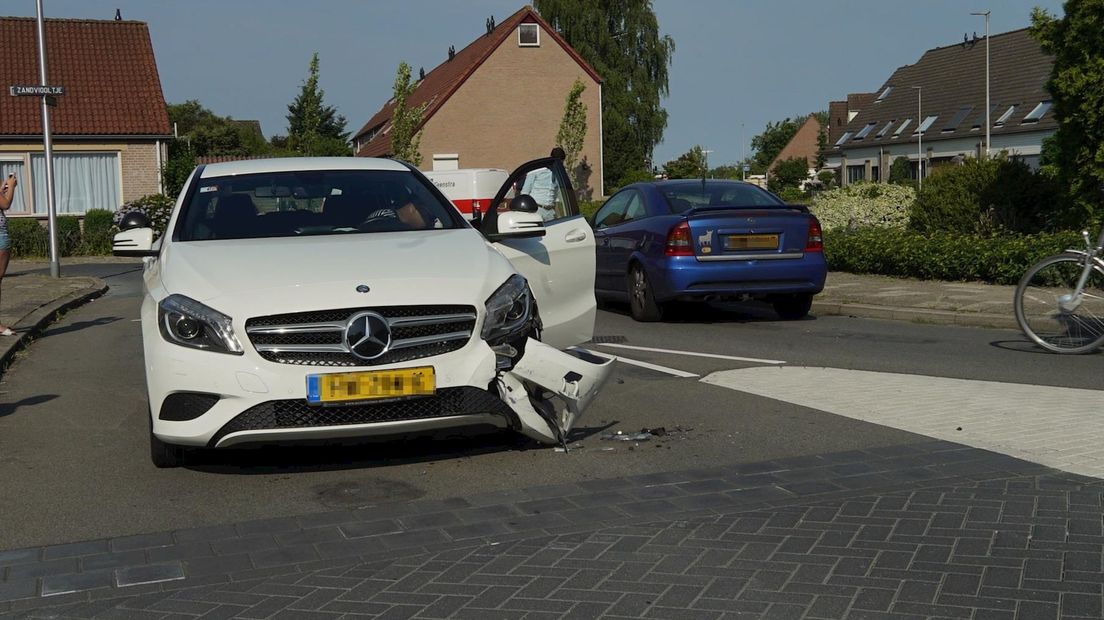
(7, 196)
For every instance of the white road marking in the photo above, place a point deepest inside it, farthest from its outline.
(1058, 427)
(656, 367)
(691, 353)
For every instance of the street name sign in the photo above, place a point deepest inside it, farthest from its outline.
(36, 91)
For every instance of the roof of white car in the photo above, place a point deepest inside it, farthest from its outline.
(293, 164)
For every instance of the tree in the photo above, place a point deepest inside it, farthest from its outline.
(774, 138)
(900, 171)
(620, 39)
(313, 127)
(822, 139)
(1076, 87)
(405, 138)
(789, 172)
(202, 133)
(689, 165)
(573, 128)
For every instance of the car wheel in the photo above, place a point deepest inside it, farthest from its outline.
(164, 455)
(793, 307)
(642, 303)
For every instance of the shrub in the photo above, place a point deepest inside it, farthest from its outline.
(900, 171)
(99, 229)
(792, 195)
(985, 197)
(864, 205)
(68, 234)
(28, 238)
(941, 255)
(157, 207)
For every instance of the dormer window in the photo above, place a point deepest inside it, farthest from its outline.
(528, 35)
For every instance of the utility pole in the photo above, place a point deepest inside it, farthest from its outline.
(988, 107)
(55, 264)
(919, 136)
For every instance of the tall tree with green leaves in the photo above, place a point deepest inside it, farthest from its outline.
(1076, 87)
(315, 128)
(689, 165)
(406, 140)
(620, 39)
(573, 128)
(202, 133)
(822, 139)
(774, 138)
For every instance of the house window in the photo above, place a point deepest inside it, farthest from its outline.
(82, 182)
(856, 173)
(844, 138)
(885, 93)
(529, 35)
(1004, 117)
(902, 127)
(865, 131)
(1037, 113)
(959, 116)
(927, 123)
(15, 166)
(885, 129)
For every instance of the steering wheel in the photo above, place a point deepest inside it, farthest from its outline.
(383, 223)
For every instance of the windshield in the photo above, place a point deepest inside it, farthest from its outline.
(300, 203)
(684, 196)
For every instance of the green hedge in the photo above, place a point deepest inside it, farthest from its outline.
(942, 256)
(99, 231)
(28, 238)
(69, 234)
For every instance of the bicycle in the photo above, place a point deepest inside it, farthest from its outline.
(1059, 302)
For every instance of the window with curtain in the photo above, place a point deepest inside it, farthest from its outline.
(82, 182)
(15, 167)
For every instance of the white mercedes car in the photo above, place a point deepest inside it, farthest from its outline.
(321, 298)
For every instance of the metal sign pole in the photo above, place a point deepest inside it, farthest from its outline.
(55, 264)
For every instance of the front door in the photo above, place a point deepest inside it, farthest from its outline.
(560, 265)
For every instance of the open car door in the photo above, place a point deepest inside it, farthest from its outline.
(559, 265)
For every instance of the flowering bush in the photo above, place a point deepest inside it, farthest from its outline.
(157, 207)
(864, 205)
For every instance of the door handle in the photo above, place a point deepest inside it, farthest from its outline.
(575, 236)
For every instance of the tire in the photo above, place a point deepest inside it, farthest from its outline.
(1069, 327)
(642, 302)
(793, 307)
(164, 455)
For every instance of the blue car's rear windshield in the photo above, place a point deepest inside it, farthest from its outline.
(301, 203)
(684, 196)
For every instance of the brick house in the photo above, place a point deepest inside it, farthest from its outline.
(498, 102)
(802, 144)
(934, 110)
(109, 128)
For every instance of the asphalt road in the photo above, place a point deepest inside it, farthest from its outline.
(73, 434)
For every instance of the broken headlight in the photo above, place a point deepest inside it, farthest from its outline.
(509, 310)
(188, 323)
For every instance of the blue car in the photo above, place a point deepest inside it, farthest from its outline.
(706, 240)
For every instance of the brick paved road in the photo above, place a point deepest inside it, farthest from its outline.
(928, 530)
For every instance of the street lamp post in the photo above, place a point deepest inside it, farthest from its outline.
(55, 264)
(919, 136)
(988, 108)
(705, 161)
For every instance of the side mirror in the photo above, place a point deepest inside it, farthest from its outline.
(523, 203)
(518, 225)
(135, 219)
(134, 242)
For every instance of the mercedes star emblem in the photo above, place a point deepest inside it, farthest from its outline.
(367, 335)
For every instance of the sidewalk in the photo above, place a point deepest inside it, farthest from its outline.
(30, 301)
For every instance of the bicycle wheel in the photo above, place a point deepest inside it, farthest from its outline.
(1049, 313)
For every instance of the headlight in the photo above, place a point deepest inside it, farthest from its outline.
(188, 323)
(508, 310)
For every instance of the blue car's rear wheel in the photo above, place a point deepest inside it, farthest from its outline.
(642, 302)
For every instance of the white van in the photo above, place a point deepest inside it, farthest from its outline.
(469, 188)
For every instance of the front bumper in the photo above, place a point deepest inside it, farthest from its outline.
(201, 398)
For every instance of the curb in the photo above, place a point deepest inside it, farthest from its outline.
(916, 315)
(34, 323)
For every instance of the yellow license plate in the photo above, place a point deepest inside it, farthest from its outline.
(751, 242)
(370, 385)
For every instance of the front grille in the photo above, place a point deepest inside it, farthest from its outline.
(317, 338)
(296, 413)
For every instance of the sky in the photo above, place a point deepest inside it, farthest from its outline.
(738, 64)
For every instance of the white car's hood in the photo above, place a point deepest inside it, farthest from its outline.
(252, 277)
